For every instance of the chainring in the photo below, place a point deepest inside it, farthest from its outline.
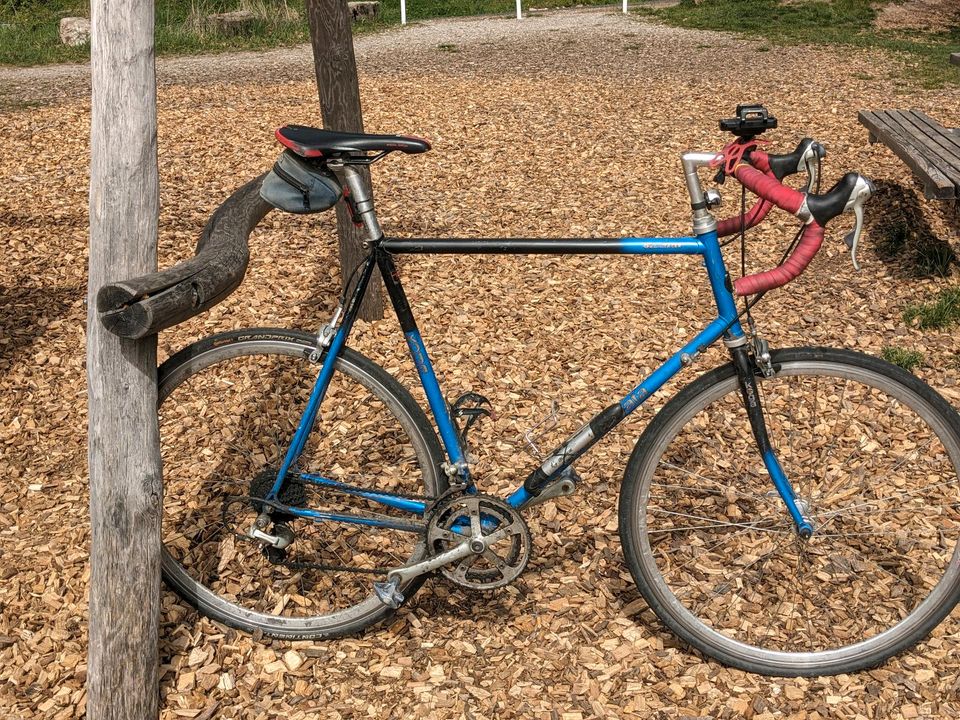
(457, 519)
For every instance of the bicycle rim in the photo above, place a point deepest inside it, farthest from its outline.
(229, 406)
(872, 454)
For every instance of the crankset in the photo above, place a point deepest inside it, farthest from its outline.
(498, 537)
(477, 541)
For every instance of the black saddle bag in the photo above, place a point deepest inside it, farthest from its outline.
(297, 186)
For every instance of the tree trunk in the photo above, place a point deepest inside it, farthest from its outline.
(331, 35)
(124, 447)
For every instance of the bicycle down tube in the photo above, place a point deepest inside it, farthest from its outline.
(726, 325)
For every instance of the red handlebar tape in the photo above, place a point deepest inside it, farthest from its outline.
(755, 215)
(769, 188)
(773, 191)
(808, 246)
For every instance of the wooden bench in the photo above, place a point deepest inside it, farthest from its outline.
(928, 148)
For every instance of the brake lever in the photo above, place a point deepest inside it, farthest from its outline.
(862, 192)
(810, 162)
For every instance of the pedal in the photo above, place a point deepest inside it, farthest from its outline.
(281, 540)
(389, 593)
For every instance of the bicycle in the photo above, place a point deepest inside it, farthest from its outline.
(752, 507)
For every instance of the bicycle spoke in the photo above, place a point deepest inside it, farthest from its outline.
(697, 476)
(743, 570)
(686, 528)
(239, 428)
(872, 505)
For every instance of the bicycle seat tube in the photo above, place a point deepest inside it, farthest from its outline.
(360, 197)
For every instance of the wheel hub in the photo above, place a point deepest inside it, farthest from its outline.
(293, 493)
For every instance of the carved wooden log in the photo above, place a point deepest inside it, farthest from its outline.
(148, 304)
(364, 9)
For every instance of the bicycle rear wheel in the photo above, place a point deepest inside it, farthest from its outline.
(873, 455)
(229, 406)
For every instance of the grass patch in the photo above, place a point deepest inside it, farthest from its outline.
(29, 29)
(942, 312)
(924, 55)
(907, 359)
(924, 253)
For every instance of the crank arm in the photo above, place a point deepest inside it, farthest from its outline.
(409, 572)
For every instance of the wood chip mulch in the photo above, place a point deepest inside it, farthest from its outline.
(569, 124)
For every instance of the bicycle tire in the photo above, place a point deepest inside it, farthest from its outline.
(228, 406)
(779, 605)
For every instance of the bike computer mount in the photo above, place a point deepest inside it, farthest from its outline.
(751, 120)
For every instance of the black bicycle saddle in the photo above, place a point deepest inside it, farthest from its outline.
(313, 142)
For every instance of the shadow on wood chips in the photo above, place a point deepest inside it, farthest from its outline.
(26, 314)
(902, 236)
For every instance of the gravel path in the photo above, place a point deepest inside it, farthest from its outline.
(391, 48)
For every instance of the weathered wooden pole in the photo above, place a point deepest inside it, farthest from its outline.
(331, 35)
(124, 446)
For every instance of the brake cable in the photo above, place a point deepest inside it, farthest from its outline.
(749, 304)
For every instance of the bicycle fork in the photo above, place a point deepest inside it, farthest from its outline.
(745, 366)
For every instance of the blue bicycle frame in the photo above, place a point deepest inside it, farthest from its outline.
(726, 325)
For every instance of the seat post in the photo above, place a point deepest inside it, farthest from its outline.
(362, 199)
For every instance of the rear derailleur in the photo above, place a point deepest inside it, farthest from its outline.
(271, 527)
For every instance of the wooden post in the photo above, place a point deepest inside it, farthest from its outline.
(124, 446)
(331, 34)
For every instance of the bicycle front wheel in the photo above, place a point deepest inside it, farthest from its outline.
(872, 453)
(229, 407)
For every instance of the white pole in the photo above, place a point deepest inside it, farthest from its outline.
(624, 6)
(519, 16)
(403, 12)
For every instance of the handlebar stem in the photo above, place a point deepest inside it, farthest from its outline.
(703, 219)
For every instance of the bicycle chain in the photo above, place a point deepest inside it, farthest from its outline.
(374, 571)
(296, 565)
(433, 502)
(349, 489)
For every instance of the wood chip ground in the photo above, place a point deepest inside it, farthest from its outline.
(564, 124)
